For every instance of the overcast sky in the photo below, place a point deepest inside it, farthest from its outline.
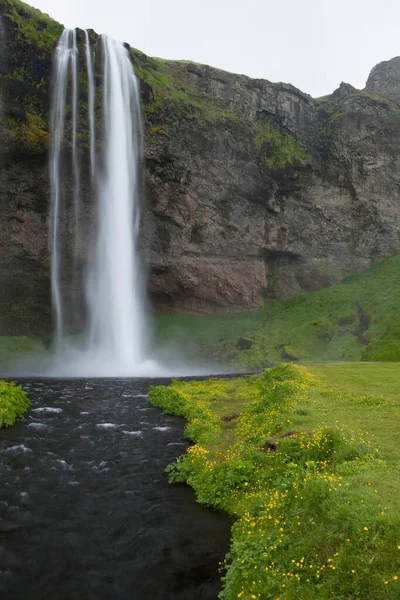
(313, 44)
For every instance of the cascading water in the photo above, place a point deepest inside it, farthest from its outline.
(91, 117)
(74, 108)
(116, 340)
(114, 292)
(62, 60)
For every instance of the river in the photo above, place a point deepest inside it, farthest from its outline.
(86, 511)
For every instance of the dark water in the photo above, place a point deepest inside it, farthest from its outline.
(85, 508)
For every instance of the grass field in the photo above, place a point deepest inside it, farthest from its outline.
(308, 460)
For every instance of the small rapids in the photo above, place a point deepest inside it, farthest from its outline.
(85, 508)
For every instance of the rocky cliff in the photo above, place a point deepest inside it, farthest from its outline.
(253, 188)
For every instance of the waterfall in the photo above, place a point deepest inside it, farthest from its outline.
(114, 296)
(62, 59)
(74, 116)
(91, 115)
(116, 339)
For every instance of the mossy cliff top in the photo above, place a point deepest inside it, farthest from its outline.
(27, 46)
(275, 123)
(176, 95)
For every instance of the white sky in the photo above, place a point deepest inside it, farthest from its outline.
(313, 44)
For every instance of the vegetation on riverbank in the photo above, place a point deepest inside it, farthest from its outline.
(14, 403)
(356, 320)
(307, 460)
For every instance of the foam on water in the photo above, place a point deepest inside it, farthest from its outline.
(47, 409)
(18, 448)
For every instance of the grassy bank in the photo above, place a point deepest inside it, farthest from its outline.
(307, 459)
(14, 403)
(356, 320)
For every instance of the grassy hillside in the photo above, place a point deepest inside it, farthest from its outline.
(357, 320)
(307, 459)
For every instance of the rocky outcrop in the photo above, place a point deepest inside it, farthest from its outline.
(303, 220)
(253, 188)
(384, 79)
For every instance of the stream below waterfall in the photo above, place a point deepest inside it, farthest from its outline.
(86, 512)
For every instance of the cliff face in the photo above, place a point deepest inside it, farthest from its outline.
(253, 188)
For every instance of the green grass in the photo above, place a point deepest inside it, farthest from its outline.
(356, 320)
(368, 401)
(14, 403)
(317, 518)
(14, 347)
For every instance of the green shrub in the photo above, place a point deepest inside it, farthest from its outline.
(14, 403)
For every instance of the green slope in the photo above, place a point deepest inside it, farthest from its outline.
(19, 346)
(356, 320)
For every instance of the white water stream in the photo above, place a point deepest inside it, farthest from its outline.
(91, 92)
(62, 60)
(116, 326)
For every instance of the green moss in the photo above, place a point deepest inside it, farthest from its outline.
(332, 107)
(29, 135)
(14, 403)
(170, 92)
(32, 25)
(30, 38)
(157, 131)
(366, 99)
(279, 150)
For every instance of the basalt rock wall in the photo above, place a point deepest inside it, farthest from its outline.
(253, 188)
